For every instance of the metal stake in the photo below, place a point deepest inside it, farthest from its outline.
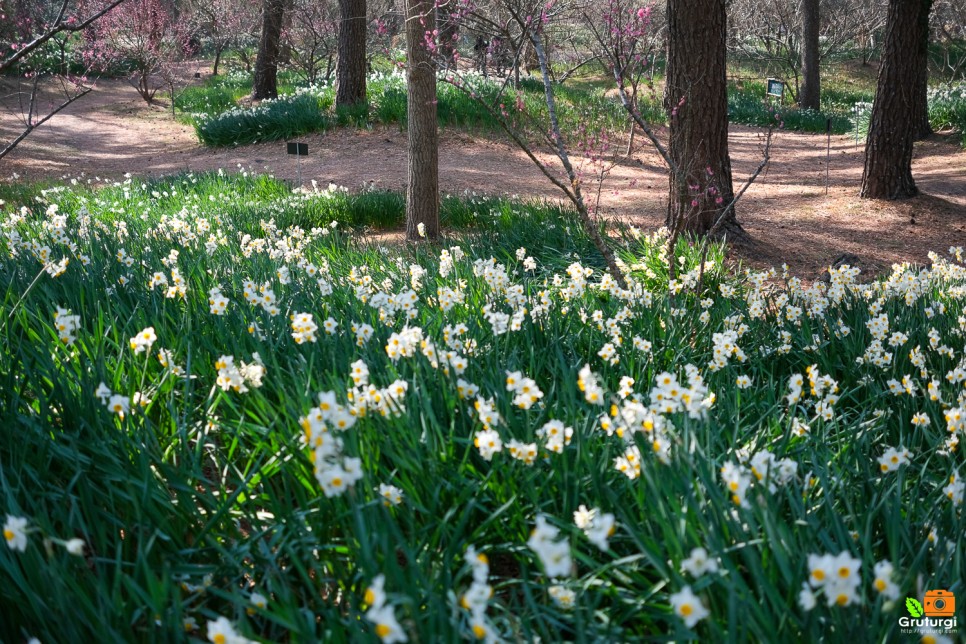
(299, 150)
(828, 151)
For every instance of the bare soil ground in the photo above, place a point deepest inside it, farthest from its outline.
(786, 213)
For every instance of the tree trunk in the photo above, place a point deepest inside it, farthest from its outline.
(214, 68)
(265, 83)
(810, 95)
(422, 191)
(920, 119)
(697, 103)
(888, 150)
(350, 71)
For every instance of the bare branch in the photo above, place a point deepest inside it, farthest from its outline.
(589, 226)
(754, 175)
(629, 107)
(33, 126)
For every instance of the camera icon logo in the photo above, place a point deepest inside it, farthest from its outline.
(939, 603)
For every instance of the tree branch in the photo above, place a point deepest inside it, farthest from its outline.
(33, 126)
(754, 175)
(58, 27)
(582, 212)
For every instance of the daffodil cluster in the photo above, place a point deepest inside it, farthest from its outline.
(476, 599)
(553, 552)
(67, 325)
(335, 472)
(239, 377)
(839, 577)
(597, 526)
(381, 614)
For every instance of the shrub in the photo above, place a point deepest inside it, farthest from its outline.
(278, 119)
(947, 107)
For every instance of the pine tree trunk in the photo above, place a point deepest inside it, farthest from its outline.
(811, 93)
(888, 150)
(422, 191)
(920, 120)
(350, 71)
(697, 103)
(265, 82)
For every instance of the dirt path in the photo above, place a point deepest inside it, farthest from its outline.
(787, 214)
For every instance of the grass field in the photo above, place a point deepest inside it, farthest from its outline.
(224, 415)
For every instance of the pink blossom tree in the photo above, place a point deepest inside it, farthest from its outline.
(138, 37)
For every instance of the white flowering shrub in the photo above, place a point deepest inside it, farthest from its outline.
(947, 107)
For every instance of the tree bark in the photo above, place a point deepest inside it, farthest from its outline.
(811, 93)
(350, 71)
(920, 119)
(697, 104)
(888, 150)
(265, 83)
(422, 191)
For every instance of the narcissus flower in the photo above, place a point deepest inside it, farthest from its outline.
(142, 341)
(257, 601)
(75, 547)
(583, 518)
(883, 583)
(553, 553)
(893, 459)
(103, 392)
(375, 593)
(221, 631)
(837, 575)
(563, 597)
(920, 420)
(699, 563)
(67, 325)
(387, 627)
(601, 529)
(806, 598)
(119, 404)
(15, 533)
(488, 442)
(391, 494)
(688, 607)
(954, 491)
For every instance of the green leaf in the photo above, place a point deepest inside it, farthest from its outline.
(914, 607)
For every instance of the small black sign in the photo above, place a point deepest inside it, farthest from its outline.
(300, 149)
(775, 87)
(197, 74)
